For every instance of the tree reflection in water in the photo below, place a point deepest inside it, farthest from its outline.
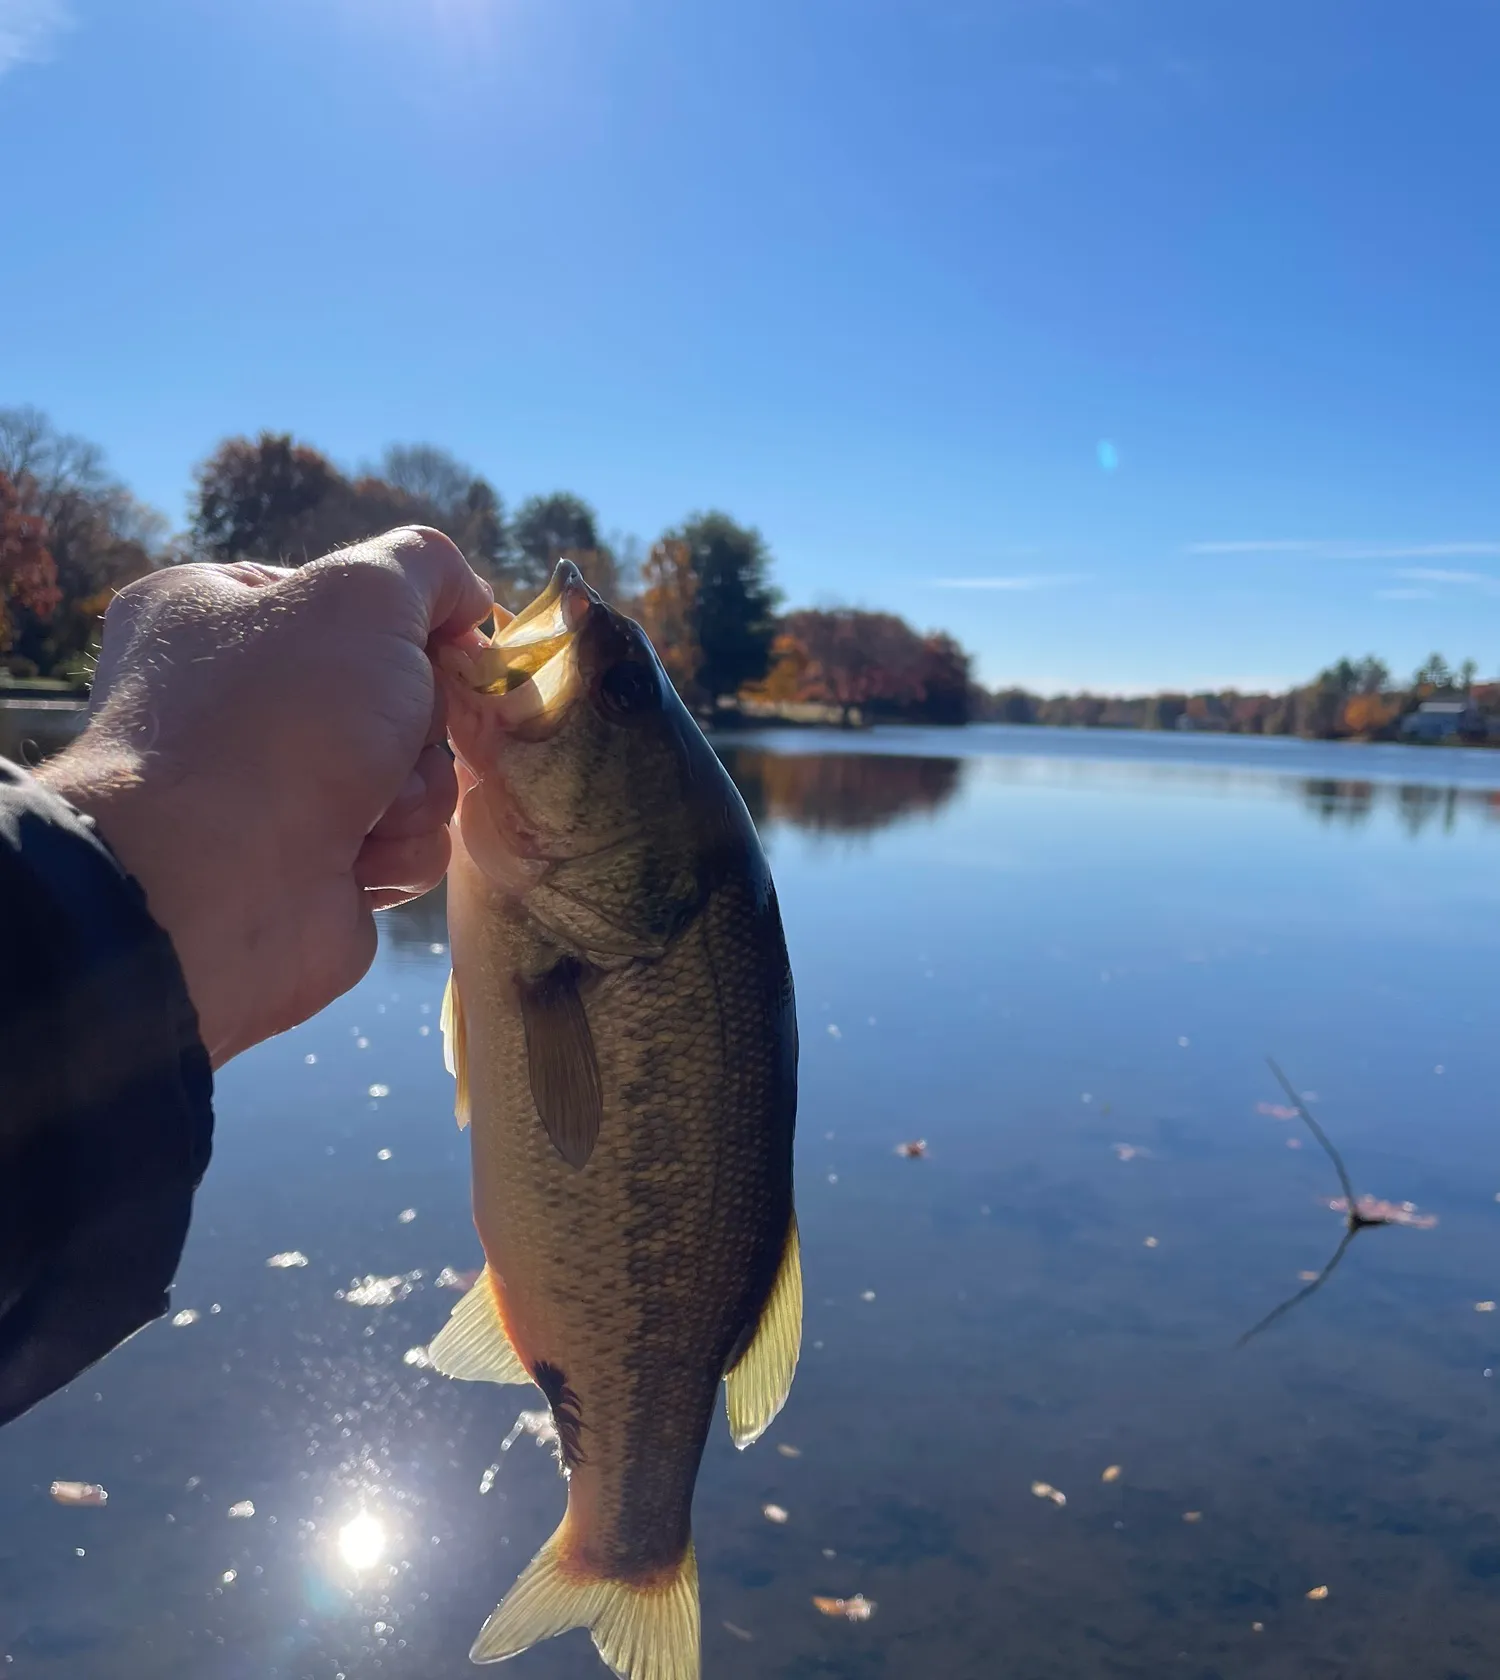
(826, 793)
(1418, 807)
(840, 793)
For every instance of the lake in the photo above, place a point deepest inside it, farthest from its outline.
(1021, 1425)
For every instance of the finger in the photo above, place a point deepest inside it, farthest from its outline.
(454, 596)
(425, 802)
(413, 865)
(387, 898)
(437, 724)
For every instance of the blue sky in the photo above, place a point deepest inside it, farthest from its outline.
(1138, 342)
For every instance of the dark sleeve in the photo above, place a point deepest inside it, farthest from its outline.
(105, 1099)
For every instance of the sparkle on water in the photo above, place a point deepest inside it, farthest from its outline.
(362, 1541)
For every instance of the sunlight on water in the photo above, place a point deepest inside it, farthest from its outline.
(362, 1541)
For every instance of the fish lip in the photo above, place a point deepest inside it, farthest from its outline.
(529, 669)
(564, 603)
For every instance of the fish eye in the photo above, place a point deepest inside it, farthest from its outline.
(628, 687)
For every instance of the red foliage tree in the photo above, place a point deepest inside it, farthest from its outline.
(28, 576)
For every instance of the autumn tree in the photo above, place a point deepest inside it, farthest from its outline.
(256, 499)
(946, 673)
(28, 575)
(735, 603)
(428, 486)
(99, 536)
(1370, 713)
(667, 610)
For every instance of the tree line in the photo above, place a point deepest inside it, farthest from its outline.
(1354, 699)
(71, 535)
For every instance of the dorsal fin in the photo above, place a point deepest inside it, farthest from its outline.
(757, 1384)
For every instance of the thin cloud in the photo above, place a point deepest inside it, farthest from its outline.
(1024, 582)
(29, 30)
(1327, 549)
(1433, 574)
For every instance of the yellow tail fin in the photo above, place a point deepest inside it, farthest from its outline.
(643, 1633)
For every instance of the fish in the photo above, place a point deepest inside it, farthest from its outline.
(621, 1024)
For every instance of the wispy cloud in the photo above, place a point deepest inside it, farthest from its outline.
(29, 30)
(1320, 548)
(1434, 574)
(1405, 595)
(1026, 581)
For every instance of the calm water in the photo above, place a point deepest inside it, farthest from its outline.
(1038, 951)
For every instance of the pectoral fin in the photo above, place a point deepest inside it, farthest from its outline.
(474, 1343)
(455, 1052)
(757, 1384)
(561, 1061)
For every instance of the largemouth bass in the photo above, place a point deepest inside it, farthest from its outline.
(620, 1022)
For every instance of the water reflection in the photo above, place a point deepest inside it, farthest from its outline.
(839, 793)
(1419, 807)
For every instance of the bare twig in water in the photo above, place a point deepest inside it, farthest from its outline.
(1286, 1306)
(1354, 1220)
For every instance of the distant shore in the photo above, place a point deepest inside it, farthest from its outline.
(41, 721)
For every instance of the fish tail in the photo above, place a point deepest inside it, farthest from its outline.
(643, 1631)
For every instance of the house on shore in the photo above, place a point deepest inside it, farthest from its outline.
(1447, 719)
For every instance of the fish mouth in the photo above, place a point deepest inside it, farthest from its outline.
(529, 668)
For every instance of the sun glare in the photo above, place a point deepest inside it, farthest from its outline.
(362, 1541)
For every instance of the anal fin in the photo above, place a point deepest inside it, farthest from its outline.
(455, 1048)
(757, 1384)
(474, 1344)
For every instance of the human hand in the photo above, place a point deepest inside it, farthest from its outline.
(264, 754)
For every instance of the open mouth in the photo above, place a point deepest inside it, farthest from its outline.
(529, 668)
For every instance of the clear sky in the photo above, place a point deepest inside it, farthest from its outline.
(1138, 342)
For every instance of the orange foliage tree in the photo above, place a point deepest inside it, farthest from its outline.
(666, 608)
(874, 661)
(1370, 714)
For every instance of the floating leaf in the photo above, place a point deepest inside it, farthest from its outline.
(1374, 1210)
(856, 1609)
(79, 1493)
